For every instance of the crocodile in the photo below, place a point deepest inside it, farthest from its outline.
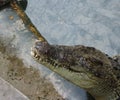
(86, 67)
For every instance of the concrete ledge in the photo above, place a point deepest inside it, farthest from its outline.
(8, 92)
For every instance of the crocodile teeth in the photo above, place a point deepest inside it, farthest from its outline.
(36, 56)
(40, 59)
(37, 40)
(32, 53)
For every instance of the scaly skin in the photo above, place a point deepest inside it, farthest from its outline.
(86, 67)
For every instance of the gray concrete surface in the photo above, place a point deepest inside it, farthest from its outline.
(9, 92)
(16, 64)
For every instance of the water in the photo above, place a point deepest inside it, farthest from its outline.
(88, 22)
(71, 22)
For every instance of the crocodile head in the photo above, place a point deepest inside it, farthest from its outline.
(86, 67)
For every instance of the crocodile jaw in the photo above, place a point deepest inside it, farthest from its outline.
(80, 79)
(98, 87)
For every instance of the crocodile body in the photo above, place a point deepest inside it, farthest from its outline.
(84, 66)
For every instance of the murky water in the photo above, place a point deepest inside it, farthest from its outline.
(88, 22)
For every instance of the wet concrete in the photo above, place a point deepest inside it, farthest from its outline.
(8, 92)
(26, 79)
